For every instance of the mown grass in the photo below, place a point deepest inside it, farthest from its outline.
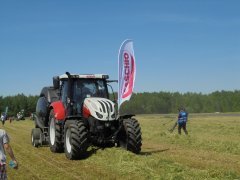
(211, 151)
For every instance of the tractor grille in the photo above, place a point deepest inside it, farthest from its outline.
(106, 106)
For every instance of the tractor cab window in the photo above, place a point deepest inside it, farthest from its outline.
(64, 92)
(84, 88)
(102, 89)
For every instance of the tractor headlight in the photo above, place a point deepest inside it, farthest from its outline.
(105, 76)
(100, 116)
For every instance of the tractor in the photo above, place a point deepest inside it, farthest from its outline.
(21, 115)
(76, 113)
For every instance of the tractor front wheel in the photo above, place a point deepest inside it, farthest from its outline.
(76, 139)
(130, 136)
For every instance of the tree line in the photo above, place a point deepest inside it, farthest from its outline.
(147, 102)
(18, 102)
(168, 102)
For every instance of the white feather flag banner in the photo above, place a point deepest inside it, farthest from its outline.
(126, 71)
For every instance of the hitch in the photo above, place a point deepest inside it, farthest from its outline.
(114, 137)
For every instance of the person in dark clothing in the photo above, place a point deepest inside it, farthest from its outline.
(182, 120)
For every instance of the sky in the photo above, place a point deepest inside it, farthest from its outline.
(180, 46)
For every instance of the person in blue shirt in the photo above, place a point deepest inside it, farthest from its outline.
(182, 120)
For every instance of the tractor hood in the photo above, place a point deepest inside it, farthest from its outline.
(100, 108)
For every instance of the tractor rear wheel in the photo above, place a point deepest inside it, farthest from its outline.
(36, 137)
(76, 139)
(130, 137)
(55, 134)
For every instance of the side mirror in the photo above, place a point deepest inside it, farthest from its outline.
(56, 82)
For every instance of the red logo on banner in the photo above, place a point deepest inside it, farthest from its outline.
(128, 75)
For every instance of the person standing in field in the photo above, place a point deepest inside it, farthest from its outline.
(3, 118)
(182, 120)
(5, 146)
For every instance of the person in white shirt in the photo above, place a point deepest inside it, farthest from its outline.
(5, 146)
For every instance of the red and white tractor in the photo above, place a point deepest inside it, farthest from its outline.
(76, 112)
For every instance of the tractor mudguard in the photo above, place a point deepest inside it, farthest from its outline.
(126, 116)
(59, 110)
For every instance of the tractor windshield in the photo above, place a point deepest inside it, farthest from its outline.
(84, 88)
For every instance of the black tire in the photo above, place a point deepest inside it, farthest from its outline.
(36, 137)
(130, 137)
(55, 132)
(76, 139)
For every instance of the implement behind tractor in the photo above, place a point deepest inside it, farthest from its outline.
(77, 112)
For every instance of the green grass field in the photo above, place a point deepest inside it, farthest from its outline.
(211, 151)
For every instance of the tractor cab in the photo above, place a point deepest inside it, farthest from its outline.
(74, 89)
